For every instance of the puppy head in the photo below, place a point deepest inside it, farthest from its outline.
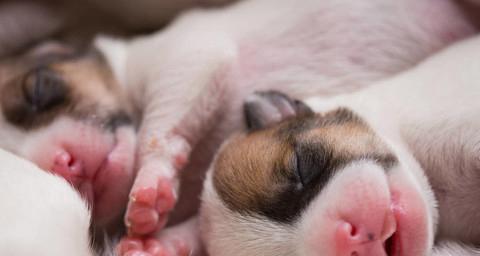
(63, 110)
(304, 183)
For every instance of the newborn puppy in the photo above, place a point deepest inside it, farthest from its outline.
(389, 170)
(190, 94)
(189, 80)
(64, 111)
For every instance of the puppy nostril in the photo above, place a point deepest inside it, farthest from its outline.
(71, 162)
(353, 231)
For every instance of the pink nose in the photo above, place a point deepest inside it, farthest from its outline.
(363, 239)
(68, 167)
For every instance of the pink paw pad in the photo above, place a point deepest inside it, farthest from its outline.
(128, 245)
(151, 247)
(149, 209)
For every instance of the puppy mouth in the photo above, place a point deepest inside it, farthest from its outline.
(120, 158)
(88, 166)
(393, 245)
(114, 178)
(76, 168)
(401, 242)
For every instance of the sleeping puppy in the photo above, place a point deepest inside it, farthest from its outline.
(189, 80)
(189, 96)
(63, 110)
(389, 170)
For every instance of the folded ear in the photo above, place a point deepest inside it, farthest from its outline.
(49, 48)
(266, 108)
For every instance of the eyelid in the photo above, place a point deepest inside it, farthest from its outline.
(295, 165)
(43, 89)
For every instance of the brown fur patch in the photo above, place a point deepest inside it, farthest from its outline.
(246, 169)
(258, 172)
(89, 90)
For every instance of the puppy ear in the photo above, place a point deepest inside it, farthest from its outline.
(49, 48)
(266, 108)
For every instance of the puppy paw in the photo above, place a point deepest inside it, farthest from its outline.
(152, 247)
(153, 194)
(149, 207)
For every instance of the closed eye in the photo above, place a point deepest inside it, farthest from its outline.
(43, 89)
(310, 162)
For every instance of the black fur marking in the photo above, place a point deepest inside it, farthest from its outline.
(271, 107)
(314, 164)
(119, 119)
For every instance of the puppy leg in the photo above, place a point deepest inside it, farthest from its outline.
(171, 129)
(181, 240)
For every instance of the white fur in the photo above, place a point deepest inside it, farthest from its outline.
(428, 114)
(190, 79)
(40, 213)
(115, 51)
(208, 51)
(229, 233)
(432, 111)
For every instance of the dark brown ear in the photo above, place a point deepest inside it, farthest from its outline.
(263, 109)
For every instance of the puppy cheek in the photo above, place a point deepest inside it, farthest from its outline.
(418, 220)
(318, 238)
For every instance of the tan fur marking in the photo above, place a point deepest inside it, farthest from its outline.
(248, 169)
(94, 93)
(245, 169)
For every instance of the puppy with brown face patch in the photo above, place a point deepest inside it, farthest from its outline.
(189, 81)
(63, 110)
(390, 170)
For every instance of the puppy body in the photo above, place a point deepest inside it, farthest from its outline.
(188, 83)
(389, 170)
(203, 65)
(77, 126)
